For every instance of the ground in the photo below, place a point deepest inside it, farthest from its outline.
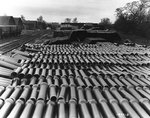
(135, 39)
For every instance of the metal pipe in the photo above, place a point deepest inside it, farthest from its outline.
(7, 92)
(50, 107)
(30, 73)
(73, 93)
(16, 72)
(2, 89)
(23, 82)
(7, 65)
(15, 112)
(101, 80)
(26, 92)
(33, 80)
(64, 80)
(73, 113)
(63, 92)
(61, 109)
(34, 92)
(71, 80)
(23, 73)
(41, 79)
(39, 108)
(94, 81)
(43, 91)
(16, 93)
(27, 111)
(95, 111)
(84, 110)
(49, 80)
(53, 95)
(89, 96)
(5, 110)
(81, 96)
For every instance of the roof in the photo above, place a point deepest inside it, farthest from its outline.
(7, 20)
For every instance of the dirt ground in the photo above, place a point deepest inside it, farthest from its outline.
(135, 39)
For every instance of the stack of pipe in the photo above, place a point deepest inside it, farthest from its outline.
(101, 80)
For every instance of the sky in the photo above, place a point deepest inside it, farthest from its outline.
(58, 10)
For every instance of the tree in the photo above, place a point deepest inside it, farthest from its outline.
(75, 20)
(40, 19)
(105, 21)
(23, 18)
(67, 20)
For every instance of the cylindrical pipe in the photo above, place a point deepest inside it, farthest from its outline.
(34, 93)
(16, 93)
(49, 80)
(73, 109)
(38, 112)
(16, 72)
(28, 109)
(25, 94)
(84, 110)
(53, 95)
(64, 80)
(101, 80)
(30, 73)
(7, 92)
(95, 111)
(73, 95)
(80, 94)
(15, 113)
(61, 109)
(33, 80)
(71, 80)
(5, 110)
(43, 91)
(63, 92)
(49, 113)
(23, 73)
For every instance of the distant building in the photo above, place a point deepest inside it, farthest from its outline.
(7, 20)
(30, 25)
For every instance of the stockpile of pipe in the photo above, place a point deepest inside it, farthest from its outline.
(101, 80)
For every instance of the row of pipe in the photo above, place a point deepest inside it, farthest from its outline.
(109, 103)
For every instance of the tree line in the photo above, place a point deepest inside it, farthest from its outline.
(134, 18)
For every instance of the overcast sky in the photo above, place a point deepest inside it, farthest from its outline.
(58, 10)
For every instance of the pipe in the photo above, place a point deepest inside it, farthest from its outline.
(7, 65)
(101, 80)
(81, 96)
(34, 92)
(5, 110)
(89, 96)
(21, 52)
(49, 80)
(33, 80)
(16, 72)
(2, 89)
(73, 113)
(7, 92)
(94, 81)
(41, 79)
(23, 73)
(73, 93)
(23, 82)
(53, 95)
(63, 92)
(15, 112)
(43, 91)
(26, 92)
(39, 108)
(95, 111)
(143, 92)
(27, 111)
(64, 80)
(61, 109)
(37, 72)
(16, 93)
(71, 80)
(124, 102)
(30, 73)
(50, 107)
(15, 81)
(84, 110)
(103, 102)
(114, 103)
(56, 82)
